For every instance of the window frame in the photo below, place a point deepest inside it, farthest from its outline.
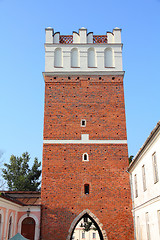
(147, 226)
(155, 168)
(83, 235)
(94, 235)
(136, 185)
(84, 122)
(158, 215)
(83, 156)
(86, 189)
(144, 178)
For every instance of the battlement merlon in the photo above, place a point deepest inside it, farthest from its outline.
(83, 37)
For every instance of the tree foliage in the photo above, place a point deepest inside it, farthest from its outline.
(2, 183)
(19, 176)
(130, 158)
(89, 225)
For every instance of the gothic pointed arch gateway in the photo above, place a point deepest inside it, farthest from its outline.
(87, 214)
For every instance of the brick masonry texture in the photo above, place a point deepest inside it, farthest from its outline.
(99, 100)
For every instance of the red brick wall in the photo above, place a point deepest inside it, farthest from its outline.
(99, 100)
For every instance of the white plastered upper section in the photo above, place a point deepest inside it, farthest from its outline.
(83, 42)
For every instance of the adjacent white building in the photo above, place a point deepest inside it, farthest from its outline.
(145, 182)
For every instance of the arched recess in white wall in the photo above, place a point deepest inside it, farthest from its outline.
(58, 57)
(109, 57)
(37, 227)
(74, 57)
(91, 57)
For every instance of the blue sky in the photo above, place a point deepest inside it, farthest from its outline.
(22, 26)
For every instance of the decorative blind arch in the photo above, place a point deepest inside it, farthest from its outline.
(91, 57)
(58, 57)
(109, 57)
(75, 57)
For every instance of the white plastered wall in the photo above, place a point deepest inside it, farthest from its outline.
(83, 51)
(149, 200)
(83, 41)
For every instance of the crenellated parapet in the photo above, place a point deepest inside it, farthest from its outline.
(83, 52)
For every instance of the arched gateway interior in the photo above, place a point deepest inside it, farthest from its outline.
(86, 228)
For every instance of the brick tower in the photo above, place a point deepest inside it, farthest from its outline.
(85, 154)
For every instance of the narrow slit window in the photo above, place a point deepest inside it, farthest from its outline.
(155, 169)
(85, 219)
(159, 220)
(83, 123)
(135, 184)
(85, 157)
(148, 227)
(86, 188)
(144, 178)
(83, 234)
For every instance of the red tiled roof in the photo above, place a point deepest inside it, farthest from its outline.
(26, 198)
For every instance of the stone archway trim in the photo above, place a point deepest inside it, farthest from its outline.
(36, 235)
(100, 225)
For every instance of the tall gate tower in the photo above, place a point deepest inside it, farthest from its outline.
(85, 154)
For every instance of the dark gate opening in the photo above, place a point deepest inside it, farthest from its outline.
(28, 228)
(85, 225)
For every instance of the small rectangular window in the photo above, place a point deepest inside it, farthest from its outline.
(155, 169)
(83, 123)
(136, 187)
(158, 212)
(138, 229)
(86, 188)
(83, 234)
(144, 178)
(94, 235)
(85, 219)
(148, 227)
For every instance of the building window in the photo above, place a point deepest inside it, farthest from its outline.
(83, 123)
(148, 227)
(159, 220)
(138, 229)
(135, 184)
(155, 169)
(10, 227)
(94, 235)
(85, 220)
(144, 178)
(83, 234)
(85, 157)
(86, 188)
